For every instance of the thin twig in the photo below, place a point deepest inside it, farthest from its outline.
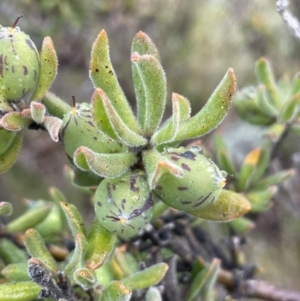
(288, 18)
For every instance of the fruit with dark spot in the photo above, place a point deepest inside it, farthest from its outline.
(200, 186)
(124, 205)
(19, 68)
(78, 130)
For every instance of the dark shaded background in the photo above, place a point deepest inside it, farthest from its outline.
(198, 41)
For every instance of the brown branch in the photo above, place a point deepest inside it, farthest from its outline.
(257, 289)
(248, 288)
(266, 291)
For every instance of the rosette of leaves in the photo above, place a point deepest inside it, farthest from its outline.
(25, 76)
(252, 179)
(136, 158)
(274, 104)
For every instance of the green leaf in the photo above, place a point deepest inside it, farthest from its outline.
(284, 86)
(223, 158)
(290, 109)
(242, 225)
(228, 206)
(142, 44)
(104, 165)
(147, 277)
(181, 111)
(296, 84)
(156, 165)
(116, 291)
(123, 264)
(48, 69)
(265, 76)
(213, 111)
(274, 132)
(38, 111)
(21, 291)
(83, 178)
(150, 88)
(36, 248)
(10, 253)
(274, 179)
(245, 102)
(101, 244)
(207, 291)
(100, 117)
(57, 197)
(55, 106)
(103, 76)
(86, 278)
(16, 121)
(29, 219)
(53, 125)
(263, 102)
(204, 280)
(121, 129)
(74, 219)
(77, 259)
(78, 230)
(260, 199)
(250, 164)
(53, 224)
(16, 272)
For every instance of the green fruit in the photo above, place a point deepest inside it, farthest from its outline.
(19, 67)
(200, 186)
(124, 205)
(78, 129)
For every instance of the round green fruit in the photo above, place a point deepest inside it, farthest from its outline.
(124, 205)
(78, 129)
(19, 67)
(199, 187)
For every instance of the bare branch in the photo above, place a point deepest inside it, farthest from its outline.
(288, 18)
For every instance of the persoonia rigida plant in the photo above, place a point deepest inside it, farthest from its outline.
(136, 160)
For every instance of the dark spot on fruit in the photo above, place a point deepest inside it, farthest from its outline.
(185, 202)
(99, 204)
(114, 218)
(158, 187)
(174, 158)
(31, 45)
(25, 70)
(185, 166)
(202, 201)
(95, 138)
(97, 70)
(135, 213)
(106, 66)
(13, 69)
(1, 65)
(90, 123)
(132, 183)
(188, 155)
(6, 62)
(213, 199)
(182, 188)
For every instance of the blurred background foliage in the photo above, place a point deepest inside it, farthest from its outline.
(198, 41)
